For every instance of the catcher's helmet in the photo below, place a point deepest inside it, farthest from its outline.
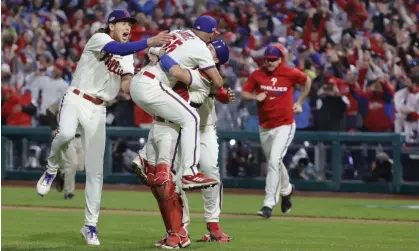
(221, 49)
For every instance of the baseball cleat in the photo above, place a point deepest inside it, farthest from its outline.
(162, 241)
(197, 181)
(286, 204)
(176, 241)
(216, 234)
(265, 212)
(44, 183)
(208, 238)
(89, 233)
(59, 181)
(138, 165)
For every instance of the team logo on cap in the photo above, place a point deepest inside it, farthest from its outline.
(126, 13)
(111, 19)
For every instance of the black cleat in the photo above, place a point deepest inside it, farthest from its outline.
(68, 196)
(286, 204)
(265, 212)
(59, 180)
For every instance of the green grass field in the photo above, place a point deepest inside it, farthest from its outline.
(37, 229)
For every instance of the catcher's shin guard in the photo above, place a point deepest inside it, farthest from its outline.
(162, 174)
(161, 208)
(171, 209)
(150, 175)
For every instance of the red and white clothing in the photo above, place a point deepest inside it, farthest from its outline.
(276, 120)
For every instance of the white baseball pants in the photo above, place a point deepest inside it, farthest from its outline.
(77, 112)
(275, 143)
(208, 165)
(159, 100)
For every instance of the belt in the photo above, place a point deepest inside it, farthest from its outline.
(195, 105)
(149, 74)
(94, 100)
(160, 119)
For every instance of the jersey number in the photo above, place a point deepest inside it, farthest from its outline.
(173, 45)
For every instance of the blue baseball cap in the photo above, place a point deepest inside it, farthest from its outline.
(273, 52)
(206, 24)
(222, 51)
(120, 16)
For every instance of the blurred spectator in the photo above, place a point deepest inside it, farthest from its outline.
(16, 109)
(381, 169)
(331, 107)
(407, 108)
(47, 90)
(240, 161)
(377, 105)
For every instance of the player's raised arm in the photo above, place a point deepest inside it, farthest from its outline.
(124, 49)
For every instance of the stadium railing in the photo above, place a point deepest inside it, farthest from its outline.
(335, 140)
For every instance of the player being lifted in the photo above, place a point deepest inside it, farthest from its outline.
(273, 85)
(106, 65)
(151, 89)
(165, 135)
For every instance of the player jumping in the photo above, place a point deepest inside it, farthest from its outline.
(105, 66)
(273, 85)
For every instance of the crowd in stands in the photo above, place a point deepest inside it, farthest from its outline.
(359, 53)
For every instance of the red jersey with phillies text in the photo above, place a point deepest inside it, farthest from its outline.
(276, 109)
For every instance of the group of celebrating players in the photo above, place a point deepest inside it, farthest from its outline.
(178, 88)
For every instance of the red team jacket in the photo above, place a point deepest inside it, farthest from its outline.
(276, 109)
(17, 118)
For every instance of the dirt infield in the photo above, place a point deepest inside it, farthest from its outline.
(241, 216)
(124, 187)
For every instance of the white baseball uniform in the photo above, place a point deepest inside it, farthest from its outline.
(158, 149)
(406, 102)
(97, 80)
(151, 90)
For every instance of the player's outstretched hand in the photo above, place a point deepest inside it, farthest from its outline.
(231, 95)
(297, 108)
(261, 96)
(160, 39)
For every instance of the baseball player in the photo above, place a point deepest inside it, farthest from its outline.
(201, 98)
(73, 157)
(106, 65)
(151, 89)
(273, 84)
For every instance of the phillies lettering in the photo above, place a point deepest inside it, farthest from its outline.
(273, 88)
(113, 65)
